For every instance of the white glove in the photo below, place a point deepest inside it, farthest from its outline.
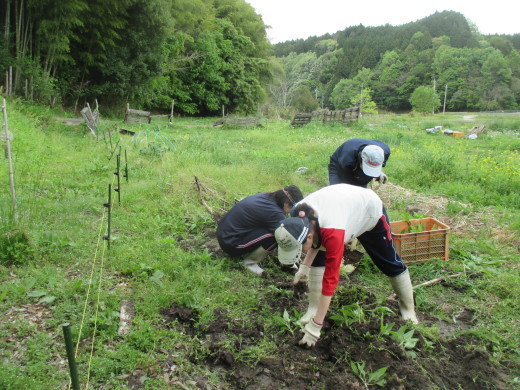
(383, 179)
(311, 334)
(302, 275)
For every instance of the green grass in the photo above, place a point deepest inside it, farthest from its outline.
(62, 178)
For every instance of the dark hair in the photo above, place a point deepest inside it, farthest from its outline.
(303, 210)
(290, 194)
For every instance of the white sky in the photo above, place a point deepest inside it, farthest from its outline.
(293, 19)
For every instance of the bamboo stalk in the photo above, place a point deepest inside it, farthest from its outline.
(9, 159)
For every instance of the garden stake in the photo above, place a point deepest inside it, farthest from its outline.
(117, 173)
(105, 138)
(108, 205)
(113, 150)
(126, 168)
(110, 138)
(70, 356)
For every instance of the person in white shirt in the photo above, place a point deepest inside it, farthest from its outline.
(320, 225)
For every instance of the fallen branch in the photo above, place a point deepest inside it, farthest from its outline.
(433, 281)
(199, 190)
(181, 385)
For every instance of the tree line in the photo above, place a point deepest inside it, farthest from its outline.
(201, 54)
(207, 54)
(442, 54)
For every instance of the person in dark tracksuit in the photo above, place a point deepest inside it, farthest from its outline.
(247, 230)
(320, 225)
(358, 161)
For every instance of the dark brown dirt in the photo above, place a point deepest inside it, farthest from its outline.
(452, 363)
(447, 363)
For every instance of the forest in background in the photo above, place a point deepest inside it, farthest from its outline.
(205, 55)
(388, 64)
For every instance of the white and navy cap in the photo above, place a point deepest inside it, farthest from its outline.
(372, 157)
(290, 236)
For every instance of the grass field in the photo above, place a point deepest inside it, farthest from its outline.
(55, 266)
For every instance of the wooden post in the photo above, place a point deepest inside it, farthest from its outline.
(10, 80)
(9, 159)
(223, 116)
(445, 93)
(433, 107)
(171, 112)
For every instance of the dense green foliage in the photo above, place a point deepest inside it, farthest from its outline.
(201, 54)
(476, 72)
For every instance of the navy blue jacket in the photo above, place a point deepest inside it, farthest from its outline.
(250, 214)
(344, 164)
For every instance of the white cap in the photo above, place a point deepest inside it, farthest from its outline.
(372, 157)
(290, 236)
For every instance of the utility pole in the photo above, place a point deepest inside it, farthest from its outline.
(433, 106)
(361, 102)
(445, 93)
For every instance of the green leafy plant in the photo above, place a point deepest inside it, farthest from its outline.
(15, 248)
(287, 323)
(476, 264)
(375, 378)
(404, 338)
(381, 312)
(42, 295)
(349, 314)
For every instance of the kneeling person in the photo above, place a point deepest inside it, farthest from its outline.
(247, 230)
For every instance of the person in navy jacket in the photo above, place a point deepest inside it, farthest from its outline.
(247, 230)
(358, 161)
(321, 224)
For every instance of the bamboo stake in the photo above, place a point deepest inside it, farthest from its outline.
(108, 205)
(9, 159)
(69, 346)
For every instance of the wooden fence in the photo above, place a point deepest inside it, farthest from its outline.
(349, 114)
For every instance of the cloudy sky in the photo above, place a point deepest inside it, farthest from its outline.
(293, 19)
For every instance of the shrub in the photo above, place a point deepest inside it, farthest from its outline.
(15, 248)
